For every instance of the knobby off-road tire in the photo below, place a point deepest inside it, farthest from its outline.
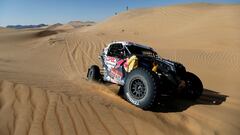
(141, 88)
(194, 86)
(94, 73)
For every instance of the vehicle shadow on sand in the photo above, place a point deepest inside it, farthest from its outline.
(209, 97)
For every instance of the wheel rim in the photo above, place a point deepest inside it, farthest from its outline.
(137, 89)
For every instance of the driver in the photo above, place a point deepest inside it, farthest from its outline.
(121, 53)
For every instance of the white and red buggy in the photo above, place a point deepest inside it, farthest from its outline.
(143, 75)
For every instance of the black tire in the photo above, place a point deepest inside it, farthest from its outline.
(121, 91)
(94, 73)
(194, 86)
(141, 88)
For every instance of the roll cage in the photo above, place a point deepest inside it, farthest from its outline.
(123, 50)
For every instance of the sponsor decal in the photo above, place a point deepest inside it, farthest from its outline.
(131, 100)
(115, 73)
(111, 59)
(110, 62)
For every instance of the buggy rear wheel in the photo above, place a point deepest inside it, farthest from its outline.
(194, 86)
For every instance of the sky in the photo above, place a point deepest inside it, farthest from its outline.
(25, 12)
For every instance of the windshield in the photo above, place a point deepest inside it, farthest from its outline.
(141, 51)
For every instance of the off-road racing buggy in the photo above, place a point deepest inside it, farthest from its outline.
(143, 75)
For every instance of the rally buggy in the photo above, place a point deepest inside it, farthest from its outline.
(143, 75)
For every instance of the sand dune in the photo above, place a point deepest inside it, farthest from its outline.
(46, 91)
(53, 26)
(79, 24)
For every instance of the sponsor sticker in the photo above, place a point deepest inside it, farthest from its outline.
(131, 100)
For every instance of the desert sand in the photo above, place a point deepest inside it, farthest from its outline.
(43, 87)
